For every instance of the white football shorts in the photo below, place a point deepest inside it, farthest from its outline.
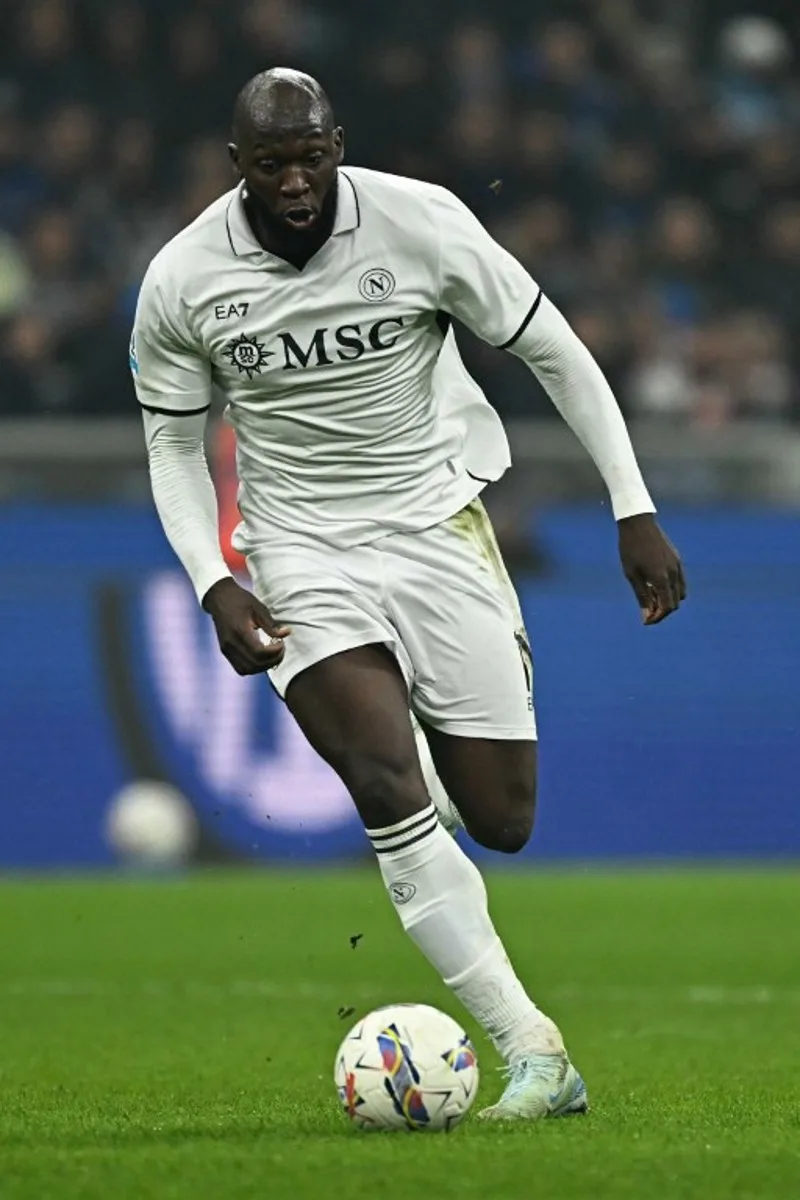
(442, 602)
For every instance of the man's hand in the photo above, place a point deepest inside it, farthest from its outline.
(652, 567)
(238, 617)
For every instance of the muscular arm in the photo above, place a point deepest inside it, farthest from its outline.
(495, 297)
(492, 293)
(187, 505)
(172, 376)
(579, 390)
(184, 495)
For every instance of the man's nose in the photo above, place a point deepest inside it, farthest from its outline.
(294, 183)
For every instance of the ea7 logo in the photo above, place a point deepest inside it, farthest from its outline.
(224, 311)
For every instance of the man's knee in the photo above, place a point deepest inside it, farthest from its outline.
(507, 836)
(506, 821)
(385, 791)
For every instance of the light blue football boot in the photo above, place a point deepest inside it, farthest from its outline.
(539, 1085)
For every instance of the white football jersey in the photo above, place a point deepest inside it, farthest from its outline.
(354, 414)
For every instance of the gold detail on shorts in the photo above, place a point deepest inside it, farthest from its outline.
(473, 524)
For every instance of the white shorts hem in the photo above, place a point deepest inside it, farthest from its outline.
(502, 733)
(288, 672)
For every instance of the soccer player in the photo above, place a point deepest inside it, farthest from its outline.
(318, 299)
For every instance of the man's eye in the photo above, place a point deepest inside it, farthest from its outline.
(267, 164)
(314, 159)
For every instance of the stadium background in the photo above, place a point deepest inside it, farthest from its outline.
(643, 159)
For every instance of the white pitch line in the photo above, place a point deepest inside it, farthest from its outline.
(754, 994)
(199, 989)
(268, 989)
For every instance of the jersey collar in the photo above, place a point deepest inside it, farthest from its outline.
(348, 209)
(243, 241)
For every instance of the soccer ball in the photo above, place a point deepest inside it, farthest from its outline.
(151, 825)
(407, 1066)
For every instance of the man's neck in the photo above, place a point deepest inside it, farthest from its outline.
(273, 235)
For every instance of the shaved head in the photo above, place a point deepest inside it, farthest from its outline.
(280, 101)
(287, 150)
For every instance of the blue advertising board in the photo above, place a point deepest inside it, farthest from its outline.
(679, 741)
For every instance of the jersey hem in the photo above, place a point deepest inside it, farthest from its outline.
(247, 541)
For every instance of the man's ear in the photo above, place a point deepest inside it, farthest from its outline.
(338, 143)
(233, 151)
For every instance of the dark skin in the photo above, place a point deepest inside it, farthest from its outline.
(652, 566)
(354, 707)
(288, 152)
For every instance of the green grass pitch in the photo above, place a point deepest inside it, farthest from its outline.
(173, 1040)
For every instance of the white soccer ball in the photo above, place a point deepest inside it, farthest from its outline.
(407, 1066)
(151, 825)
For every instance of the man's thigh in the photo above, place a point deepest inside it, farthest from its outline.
(460, 624)
(353, 708)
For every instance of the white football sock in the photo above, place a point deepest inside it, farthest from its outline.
(440, 898)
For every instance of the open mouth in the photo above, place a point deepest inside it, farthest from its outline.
(301, 217)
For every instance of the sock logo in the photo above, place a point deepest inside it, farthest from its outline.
(401, 893)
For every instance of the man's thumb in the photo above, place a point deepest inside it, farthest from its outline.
(264, 620)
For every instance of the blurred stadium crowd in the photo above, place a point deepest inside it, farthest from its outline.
(642, 158)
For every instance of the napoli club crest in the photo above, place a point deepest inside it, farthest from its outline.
(377, 285)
